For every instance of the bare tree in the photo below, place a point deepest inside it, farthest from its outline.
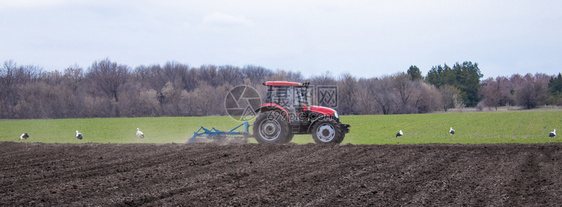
(404, 87)
(450, 97)
(366, 91)
(533, 90)
(107, 77)
(384, 95)
(8, 94)
(491, 93)
(256, 74)
(325, 79)
(208, 74)
(231, 75)
(11, 77)
(425, 97)
(197, 101)
(347, 93)
(282, 75)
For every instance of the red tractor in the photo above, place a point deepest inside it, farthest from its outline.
(287, 111)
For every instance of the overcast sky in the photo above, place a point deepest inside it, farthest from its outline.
(366, 38)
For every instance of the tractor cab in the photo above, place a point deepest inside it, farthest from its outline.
(294, 98)
(291, 96)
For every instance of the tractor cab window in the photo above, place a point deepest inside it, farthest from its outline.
(292, 98)
(282, 95)
(303, 97)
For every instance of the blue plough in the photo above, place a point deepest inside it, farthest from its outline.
(217, 135)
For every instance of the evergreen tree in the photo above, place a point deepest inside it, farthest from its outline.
(465, 78)
(415, 73)
(555, 85)
(555, 90)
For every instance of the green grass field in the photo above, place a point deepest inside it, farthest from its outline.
(471, 128)
(480, 127)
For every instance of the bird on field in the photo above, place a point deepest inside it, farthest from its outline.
(552, 134)
(78, 135)
(399, 134)
(24, 136)
(451, 131)
(139, 134)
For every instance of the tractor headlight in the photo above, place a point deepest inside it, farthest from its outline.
(336, 115)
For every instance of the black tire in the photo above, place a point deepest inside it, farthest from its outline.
(272, 127)
(289, 138)
(327, 131)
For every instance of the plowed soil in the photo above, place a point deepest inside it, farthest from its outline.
(280, 175)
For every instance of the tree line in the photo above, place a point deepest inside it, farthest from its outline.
(110, 89)
(529, 91)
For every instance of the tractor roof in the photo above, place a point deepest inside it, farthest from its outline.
(282, 83)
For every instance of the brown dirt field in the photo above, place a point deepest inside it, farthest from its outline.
(280, 175)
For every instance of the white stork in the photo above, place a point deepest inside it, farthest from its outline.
(451, 131)
(24, 136)
(399, 134)
(139, 134)
(552, 134)
(78, 135)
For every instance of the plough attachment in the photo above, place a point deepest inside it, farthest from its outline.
(236, 135)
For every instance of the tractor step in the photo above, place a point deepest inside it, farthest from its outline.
(296, 129)
(295, 126)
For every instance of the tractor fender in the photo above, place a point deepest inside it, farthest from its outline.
(272, 107)
(319, 113)
(344, 127)
(320, 109)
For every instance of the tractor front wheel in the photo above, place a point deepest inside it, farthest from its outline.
(271, 127)
(327, 131)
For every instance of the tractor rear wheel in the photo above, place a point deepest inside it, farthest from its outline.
(327, 131)
(271, 127)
